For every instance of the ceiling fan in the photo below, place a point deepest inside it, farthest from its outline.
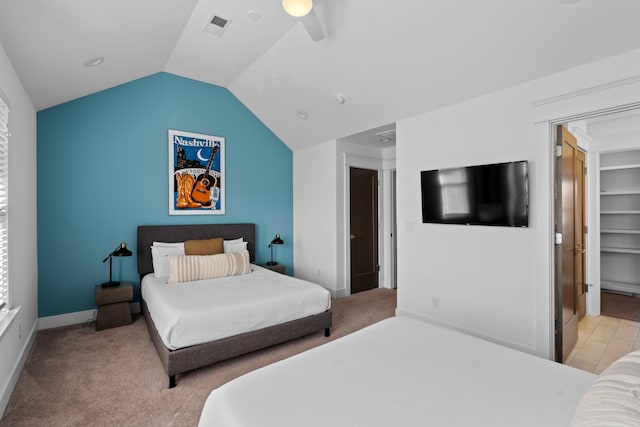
(303, 9)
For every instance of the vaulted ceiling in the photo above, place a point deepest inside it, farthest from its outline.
(388, 59)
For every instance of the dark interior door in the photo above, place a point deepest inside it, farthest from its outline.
(364, 229)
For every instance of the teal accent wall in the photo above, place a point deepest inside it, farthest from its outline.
(102, 164)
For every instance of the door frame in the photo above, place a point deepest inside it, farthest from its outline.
(592, 274)
(384, 168)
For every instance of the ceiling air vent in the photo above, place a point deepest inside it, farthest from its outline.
(217, 25)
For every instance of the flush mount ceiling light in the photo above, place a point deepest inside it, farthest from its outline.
(297, 8)
(94, 62)
(388, 135)
(302, 115)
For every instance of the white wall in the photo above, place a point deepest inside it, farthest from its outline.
(494, 282)
(17, 339)
(315, 214)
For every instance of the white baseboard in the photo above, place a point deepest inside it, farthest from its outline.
(338, 293)
(75, 318)
(66, 319)
(499, 341)
(17, 369)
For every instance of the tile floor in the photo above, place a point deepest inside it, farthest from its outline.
(602, 340)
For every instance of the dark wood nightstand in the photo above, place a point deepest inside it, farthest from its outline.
(113, 306)
(278, 268)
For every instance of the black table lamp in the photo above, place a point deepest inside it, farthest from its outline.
(276, 241)
(121, 250)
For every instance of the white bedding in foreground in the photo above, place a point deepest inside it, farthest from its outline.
(402, 372)
(191, 313)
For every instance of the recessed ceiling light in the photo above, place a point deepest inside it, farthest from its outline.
(94, 62)
(385, 139)
(253, 15)
(302, 115)
(340, 99)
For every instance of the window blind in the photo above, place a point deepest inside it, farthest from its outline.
(4, 201)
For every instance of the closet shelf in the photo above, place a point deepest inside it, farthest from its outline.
(620, 220)
(620, 212)
(620, 193)
(618, 231)
(620, 167)
(620, 250)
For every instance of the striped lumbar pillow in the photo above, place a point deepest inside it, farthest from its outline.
(614, 397)
(188, 268)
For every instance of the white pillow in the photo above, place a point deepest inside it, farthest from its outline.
(228, 243)
(166, 244)
(160, 261)
(230, 248)
(189, 268)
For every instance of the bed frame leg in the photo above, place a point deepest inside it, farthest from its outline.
(172, 381)
(327, 332)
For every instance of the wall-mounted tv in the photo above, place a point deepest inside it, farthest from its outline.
(494, 194)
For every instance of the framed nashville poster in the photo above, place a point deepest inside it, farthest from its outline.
(196, 174)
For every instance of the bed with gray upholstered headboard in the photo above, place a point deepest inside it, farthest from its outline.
(180, 360)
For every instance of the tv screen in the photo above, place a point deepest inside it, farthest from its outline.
(495, 194)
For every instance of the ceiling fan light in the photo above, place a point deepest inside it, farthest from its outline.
(297, 8)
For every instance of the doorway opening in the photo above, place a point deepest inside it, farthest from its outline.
(611, 245)
(372, 150)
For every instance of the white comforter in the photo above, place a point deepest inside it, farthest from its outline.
(192, 313)
(402, 372)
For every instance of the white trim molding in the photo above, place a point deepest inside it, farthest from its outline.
(586, 91)
(76, 318)
(6, 317)
(12, 379)
(67, 319)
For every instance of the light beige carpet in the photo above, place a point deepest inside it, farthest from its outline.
(76, 376)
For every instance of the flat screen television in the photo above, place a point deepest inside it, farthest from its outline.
(494, 194)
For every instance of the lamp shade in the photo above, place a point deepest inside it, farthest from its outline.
(277, 240)
(297, 8)
(122, 250)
